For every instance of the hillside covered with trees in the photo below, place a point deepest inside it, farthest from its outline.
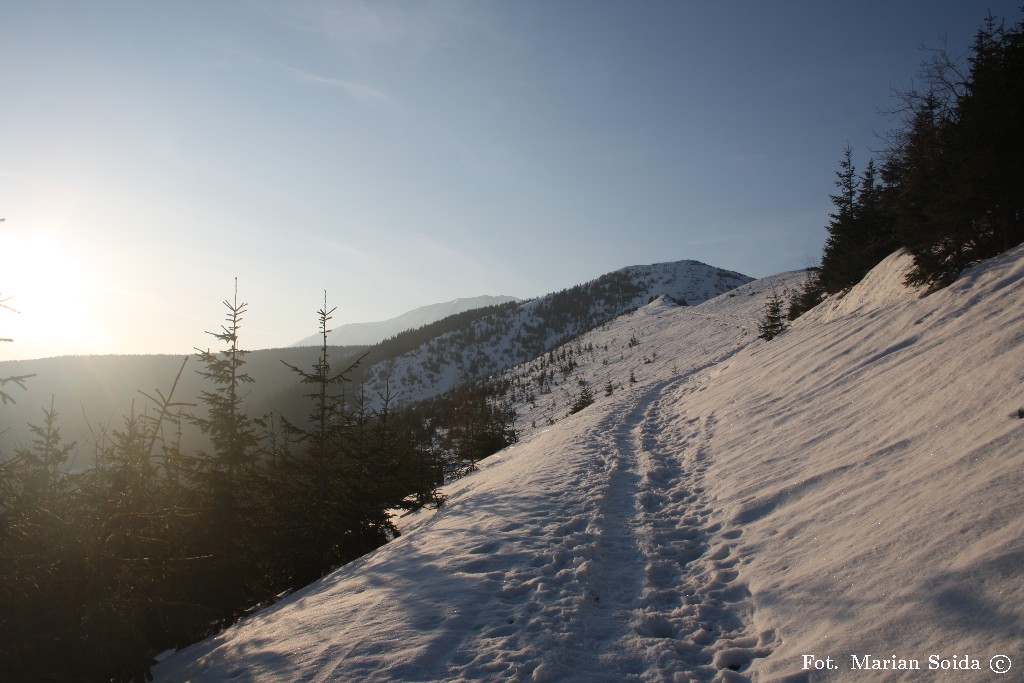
(216, 492)
(948, 186)
(155, 546)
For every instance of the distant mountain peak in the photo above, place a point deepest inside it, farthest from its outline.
(366, 333)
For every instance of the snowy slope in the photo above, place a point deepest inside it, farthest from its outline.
(502, 340)
(359, 334)
(851, 487)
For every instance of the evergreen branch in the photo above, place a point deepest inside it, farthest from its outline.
(163, 408)
(6, 398)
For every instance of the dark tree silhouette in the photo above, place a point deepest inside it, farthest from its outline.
(772, 324)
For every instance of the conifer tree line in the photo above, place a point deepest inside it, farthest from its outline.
(948, 187)
(154, 547)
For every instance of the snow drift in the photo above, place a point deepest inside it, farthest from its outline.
(733, 508)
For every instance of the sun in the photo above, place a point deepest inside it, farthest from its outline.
(48, 282)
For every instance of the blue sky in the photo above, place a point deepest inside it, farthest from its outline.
(398, 154)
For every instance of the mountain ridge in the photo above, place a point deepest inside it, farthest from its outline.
(499, 341)
(368, 333)
(114, 381)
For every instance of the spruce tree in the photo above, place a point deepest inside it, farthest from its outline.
(232, 433)
(584, 399)
(41, 462)
(772, 324)
(806, 296)
(836, 262)
(322, 516)
(230, 518)
(476, 425)
(860, 231)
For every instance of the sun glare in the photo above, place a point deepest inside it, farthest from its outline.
(52, 287)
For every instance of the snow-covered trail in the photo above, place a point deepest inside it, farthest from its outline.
(585, 553)
(643, 587)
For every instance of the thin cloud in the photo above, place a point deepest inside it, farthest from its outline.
(360, 92)
(363, 29)
(348, 251)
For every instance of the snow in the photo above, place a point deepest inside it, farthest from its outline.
(852, 487)
(882, 287)
(495, 343)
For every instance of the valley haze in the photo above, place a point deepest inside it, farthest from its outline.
(365, 333)
(413, 364)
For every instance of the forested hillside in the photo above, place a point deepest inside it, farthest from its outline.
(520, 333)
(948, 186)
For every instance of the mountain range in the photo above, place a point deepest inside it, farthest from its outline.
(92, 393)
(367, 333)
